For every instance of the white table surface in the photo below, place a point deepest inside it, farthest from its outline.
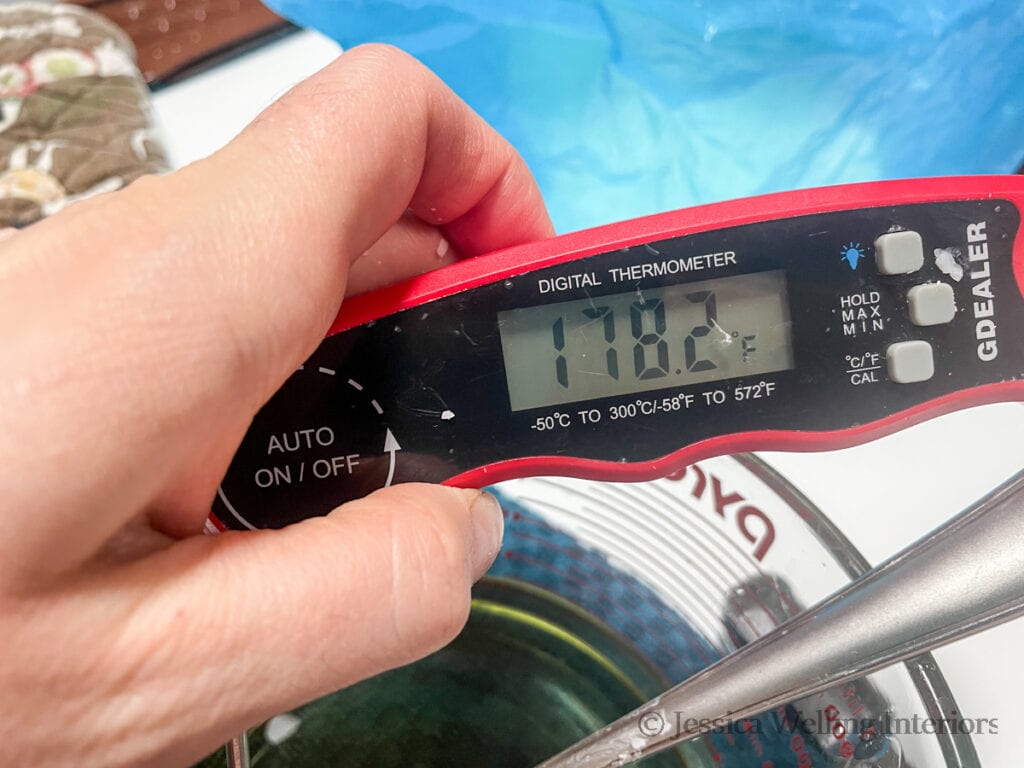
(883, 495)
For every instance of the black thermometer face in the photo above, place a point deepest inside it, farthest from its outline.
(813, 324)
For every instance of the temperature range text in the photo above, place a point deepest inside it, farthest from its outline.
(654, 406)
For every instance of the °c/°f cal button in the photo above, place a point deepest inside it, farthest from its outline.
(909, 362)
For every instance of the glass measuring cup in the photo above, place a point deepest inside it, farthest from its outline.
(603, 595)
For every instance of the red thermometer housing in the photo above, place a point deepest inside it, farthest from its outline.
(806, 320)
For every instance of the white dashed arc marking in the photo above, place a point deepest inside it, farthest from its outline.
(391, 446)
(359, 388)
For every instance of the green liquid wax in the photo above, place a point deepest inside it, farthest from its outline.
(530, 675)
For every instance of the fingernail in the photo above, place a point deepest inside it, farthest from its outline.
(488, 529)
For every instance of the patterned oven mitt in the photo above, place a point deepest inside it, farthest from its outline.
(74, 111)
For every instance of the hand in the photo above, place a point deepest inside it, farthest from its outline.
(140, 332)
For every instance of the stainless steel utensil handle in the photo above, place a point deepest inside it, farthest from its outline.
(237, 752)
(960, 579)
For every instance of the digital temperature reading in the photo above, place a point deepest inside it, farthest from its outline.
(646, 339)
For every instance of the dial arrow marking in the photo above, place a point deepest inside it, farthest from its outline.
(391, 446)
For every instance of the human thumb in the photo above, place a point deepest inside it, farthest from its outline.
(217, 633)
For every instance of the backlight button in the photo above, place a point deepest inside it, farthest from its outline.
(899, 253)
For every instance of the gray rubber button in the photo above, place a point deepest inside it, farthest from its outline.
(899, 253)
(931, 304)
(910, 361)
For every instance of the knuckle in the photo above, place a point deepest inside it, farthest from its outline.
(371, 68)
(377, 60)
(430, 572)
(449, 622)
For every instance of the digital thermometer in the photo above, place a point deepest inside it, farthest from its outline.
(805, 320)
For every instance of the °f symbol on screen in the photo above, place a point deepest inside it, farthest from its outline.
(852, 254)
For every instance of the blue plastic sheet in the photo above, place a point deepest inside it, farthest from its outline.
(628, 107)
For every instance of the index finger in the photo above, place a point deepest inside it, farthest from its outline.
(143, 330)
